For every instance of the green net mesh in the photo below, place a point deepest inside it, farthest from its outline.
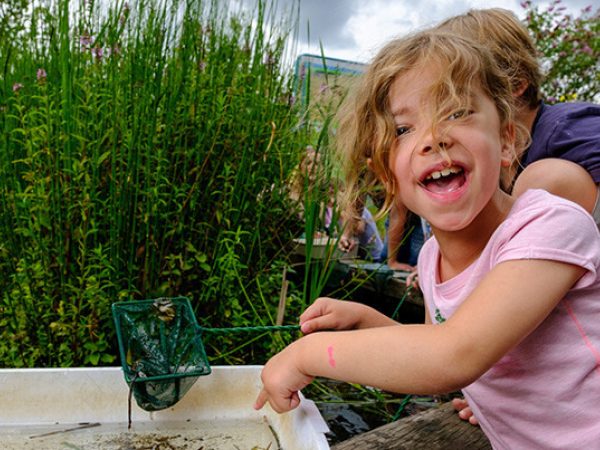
(161, 349)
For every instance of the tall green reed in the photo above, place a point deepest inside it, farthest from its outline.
(145, 151)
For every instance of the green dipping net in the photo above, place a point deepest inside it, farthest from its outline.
(161, 349)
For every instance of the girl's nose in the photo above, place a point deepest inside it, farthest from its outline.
(432, 143)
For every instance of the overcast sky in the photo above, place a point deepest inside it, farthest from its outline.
(355, 29)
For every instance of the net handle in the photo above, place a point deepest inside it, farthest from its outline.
(257, 329)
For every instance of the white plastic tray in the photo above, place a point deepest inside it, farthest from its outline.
(86, 408)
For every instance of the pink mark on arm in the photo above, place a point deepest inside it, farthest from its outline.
(330, 353)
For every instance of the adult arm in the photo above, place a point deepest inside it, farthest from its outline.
(396, 228)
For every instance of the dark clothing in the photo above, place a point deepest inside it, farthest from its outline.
(411, 243)
(569, 131)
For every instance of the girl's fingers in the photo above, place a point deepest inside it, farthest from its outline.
(318, 308)
(318, 323)
(261, 399)
(278, 405)
(459, 403)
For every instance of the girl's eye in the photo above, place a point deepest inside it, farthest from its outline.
(401, 130)
(460, 114)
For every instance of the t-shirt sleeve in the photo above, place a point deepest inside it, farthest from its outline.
(558, 231)
(576, 137)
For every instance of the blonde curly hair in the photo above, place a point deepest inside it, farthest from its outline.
(512, 47)
(366, 132)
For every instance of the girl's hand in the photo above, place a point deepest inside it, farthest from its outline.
(282, 381)
(464, 410)
(412, 280)
(331, 314)
(347, 244)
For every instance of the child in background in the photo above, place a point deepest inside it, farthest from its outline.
(312, 185)
(564, 155)
(510, 285)
(361, 232)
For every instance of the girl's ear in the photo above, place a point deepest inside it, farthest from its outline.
(508, 153)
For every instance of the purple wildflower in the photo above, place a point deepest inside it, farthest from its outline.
(202, 66)
(98, 52)
(86, 40)
(41, 74)
(17, 87)
(292, 100)
(269, 59)
(586, 49)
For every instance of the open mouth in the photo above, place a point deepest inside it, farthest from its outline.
(446, 180)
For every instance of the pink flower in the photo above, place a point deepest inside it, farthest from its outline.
(86, 40)
(98, 52)
(292, 100)
(41, 74)
(269, 59)
(17, 87)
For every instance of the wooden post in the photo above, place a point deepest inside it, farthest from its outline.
(282, 298)
(434, 429)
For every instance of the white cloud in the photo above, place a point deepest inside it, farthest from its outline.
(355, 30)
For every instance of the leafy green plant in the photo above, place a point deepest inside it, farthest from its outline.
(570, 50)
(145, 150)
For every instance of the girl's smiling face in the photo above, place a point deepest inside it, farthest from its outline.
(446, 170)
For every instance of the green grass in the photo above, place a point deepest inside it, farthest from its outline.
(145, 151)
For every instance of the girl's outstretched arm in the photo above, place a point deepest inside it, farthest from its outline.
(331, 314)
(512, 300)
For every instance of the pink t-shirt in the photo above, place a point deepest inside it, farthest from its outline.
(545, 393)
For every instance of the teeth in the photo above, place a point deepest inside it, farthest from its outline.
(443, 173)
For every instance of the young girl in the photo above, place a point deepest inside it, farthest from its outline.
(563, 156)
(511, 286)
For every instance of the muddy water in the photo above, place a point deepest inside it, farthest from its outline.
(224, 435)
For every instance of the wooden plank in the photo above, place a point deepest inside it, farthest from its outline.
(435, 429)
(384, 281)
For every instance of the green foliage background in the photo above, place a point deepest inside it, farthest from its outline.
(569, 47)
(144, 152)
